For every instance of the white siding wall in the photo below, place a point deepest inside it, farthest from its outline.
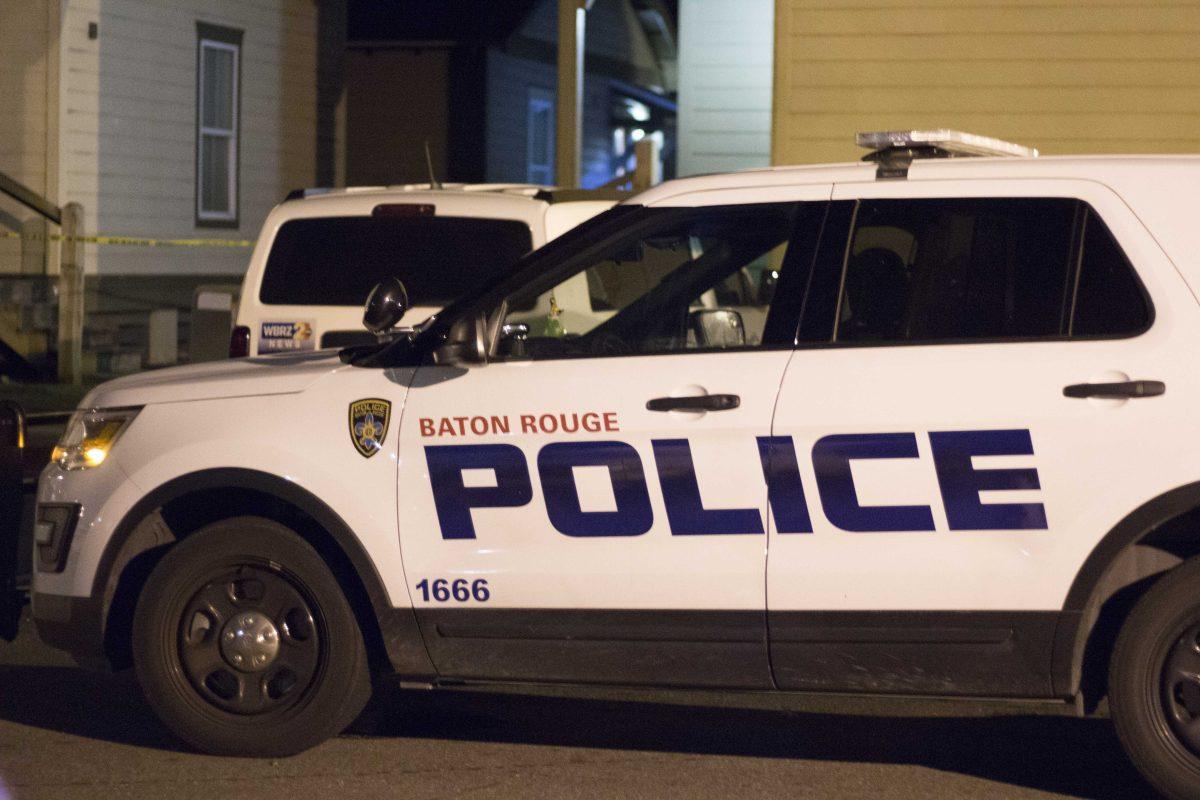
(79, 116)
(725, 66)
(133, 166)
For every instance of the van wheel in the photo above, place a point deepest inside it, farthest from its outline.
(1154, 683)
(244, 644)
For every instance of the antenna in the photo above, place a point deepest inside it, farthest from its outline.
(434, 183)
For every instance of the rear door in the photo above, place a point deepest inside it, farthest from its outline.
(957, 459)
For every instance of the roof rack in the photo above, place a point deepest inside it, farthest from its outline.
(495, 188)
(894, 151)
(548, 194)
(317, 191)
(523, 189)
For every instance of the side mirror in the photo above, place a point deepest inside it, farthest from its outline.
(385, 306)
(717, 327)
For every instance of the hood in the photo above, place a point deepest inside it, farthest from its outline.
(285, 373)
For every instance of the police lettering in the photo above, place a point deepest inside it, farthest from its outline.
(959, 481)
(572, 422)
(463, 426)
(590, 422)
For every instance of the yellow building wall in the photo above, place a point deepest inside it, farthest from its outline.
(27, 37)
(1060, 75)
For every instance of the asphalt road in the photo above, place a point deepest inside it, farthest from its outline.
(66, 733)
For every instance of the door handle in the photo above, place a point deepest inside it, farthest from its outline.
(702, 402)
(1125, 390)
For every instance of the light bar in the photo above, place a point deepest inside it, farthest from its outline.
(954, 143)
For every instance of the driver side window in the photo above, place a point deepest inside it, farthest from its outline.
(689, 279)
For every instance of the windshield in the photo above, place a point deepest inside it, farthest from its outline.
(534, 266)
(338, 260)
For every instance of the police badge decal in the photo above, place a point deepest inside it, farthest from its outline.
(369, 424)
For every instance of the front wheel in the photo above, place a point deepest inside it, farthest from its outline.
(1154, 683)
(244, 644)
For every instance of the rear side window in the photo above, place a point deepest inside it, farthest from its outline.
(957, 269)
(969, 269)
(1110, 300)
(338, 260)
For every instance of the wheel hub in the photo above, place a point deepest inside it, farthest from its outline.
(249, 642)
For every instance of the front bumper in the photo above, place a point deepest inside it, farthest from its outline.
(67, 610)
(69, 553)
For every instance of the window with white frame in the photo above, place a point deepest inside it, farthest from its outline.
(218, 64)
(539, 136)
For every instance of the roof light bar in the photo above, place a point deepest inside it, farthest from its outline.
(950, 143)
(894, 151)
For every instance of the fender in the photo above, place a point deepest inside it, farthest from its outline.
(401, 638)
(1072, 633)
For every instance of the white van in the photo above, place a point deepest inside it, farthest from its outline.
(321, 251)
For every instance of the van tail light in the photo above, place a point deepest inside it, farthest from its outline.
(239, 342)
(404, 210)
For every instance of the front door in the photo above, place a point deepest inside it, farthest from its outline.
(958, 460)
(590, 506)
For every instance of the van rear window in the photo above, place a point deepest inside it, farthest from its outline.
(338, 260)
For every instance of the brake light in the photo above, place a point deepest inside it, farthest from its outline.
(239, 342)
(403, 210)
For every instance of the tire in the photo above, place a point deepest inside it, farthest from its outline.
(1154, 683)
(245, 645)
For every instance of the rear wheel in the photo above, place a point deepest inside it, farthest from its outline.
(245, 645)
(1154, 683)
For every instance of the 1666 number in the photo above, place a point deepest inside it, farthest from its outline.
(443, 590)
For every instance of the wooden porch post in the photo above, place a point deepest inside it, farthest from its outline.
(70, 297)
(568, 133)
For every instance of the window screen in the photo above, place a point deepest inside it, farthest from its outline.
(957, 269)
(338, 260)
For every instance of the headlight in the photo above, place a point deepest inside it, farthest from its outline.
(90, 437)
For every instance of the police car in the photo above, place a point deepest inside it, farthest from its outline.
(922, 425)
(322, 250)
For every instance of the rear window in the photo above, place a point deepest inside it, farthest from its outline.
(338, 260)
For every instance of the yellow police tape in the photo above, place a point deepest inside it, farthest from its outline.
(137, 241)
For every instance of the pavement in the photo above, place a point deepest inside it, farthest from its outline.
(67, 733)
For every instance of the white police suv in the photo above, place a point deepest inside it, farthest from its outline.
(921, 425)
